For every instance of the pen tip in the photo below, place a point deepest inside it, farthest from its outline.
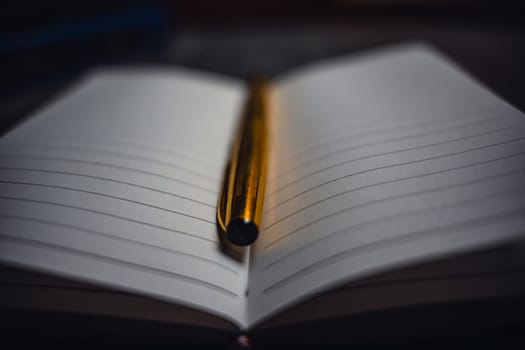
(241, 232)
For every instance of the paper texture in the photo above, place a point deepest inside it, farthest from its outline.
(380, 161)
(117, 182)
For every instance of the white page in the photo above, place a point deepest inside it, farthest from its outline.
(117, 182)
(379, 161)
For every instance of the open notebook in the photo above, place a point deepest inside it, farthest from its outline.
(388, 160)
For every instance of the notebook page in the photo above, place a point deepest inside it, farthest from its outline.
(117, 182)
(491, 274)
(380, 161)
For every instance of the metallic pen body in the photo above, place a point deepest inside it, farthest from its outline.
(239, 212)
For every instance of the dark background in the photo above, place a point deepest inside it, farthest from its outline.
(46, 45)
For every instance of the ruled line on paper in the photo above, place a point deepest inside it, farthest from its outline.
(372, 125)
(107, 196)
(349, 161)
(173, 151)
(382, 141)
(392, 181)
(386, 199)
(132, 156)
(441, 277)
(391, 166)
(508, 272)
(397, 216)
(109, 215)
(110, 145)
(23, 237)
(168, 143)
(118, 238)
(108, 180)
(62, 287)
(131, 253)
(402, 124)
(392, 241)
(121, 263)
(73, 160)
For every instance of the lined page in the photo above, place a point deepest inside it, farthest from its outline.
(380, 161)
(117, 182)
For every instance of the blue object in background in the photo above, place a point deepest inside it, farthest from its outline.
(145, 18)
(48, 45)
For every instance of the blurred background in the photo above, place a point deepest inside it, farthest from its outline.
(46, 45)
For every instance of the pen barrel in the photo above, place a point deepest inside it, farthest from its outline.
(247, 176)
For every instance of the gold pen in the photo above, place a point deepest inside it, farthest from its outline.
(240, 206)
